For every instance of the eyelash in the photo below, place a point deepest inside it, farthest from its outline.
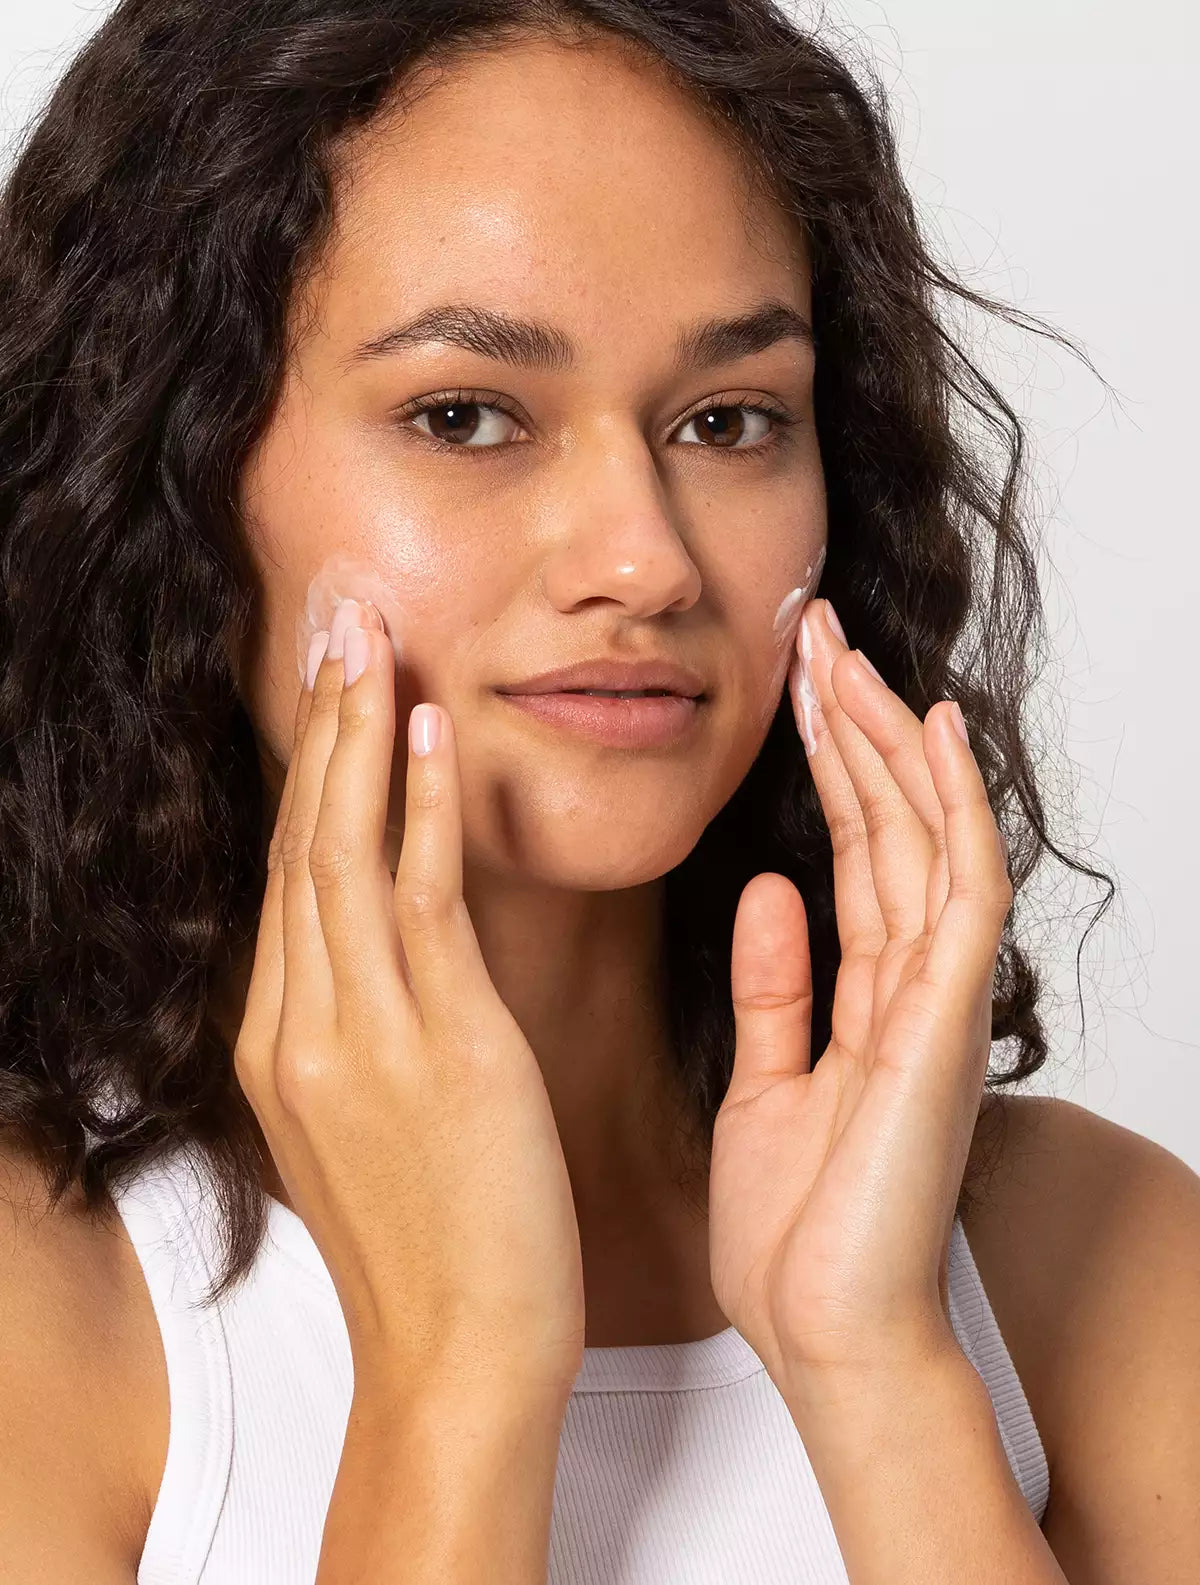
(432, 404)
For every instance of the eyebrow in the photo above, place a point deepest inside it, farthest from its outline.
(534, 344)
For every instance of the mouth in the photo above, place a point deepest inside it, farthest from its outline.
(627, 693)
(645, 718)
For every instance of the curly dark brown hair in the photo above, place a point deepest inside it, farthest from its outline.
(153, 231)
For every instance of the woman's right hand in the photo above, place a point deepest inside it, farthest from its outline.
(402, 1105)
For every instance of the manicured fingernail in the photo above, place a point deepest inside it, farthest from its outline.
(317, 645)
(831, 617)
(348, 614)
(956, 717)
(424, 728)
(355, 652)
(860, 656)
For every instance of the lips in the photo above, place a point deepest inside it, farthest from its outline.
(613, 675)
(654, 721)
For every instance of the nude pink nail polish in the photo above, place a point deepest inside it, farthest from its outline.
(316, 654)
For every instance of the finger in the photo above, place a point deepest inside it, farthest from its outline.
(771, 981)
(861, 930)
(898, 844)
(445, 964)
(896, 734)
(347, 862)
(308, 995)
(860, 927)
(960, 962)
(264, 996)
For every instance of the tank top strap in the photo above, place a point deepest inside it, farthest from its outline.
(169, 1212)
(977, 1331)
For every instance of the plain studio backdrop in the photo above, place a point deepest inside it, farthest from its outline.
(1052, 150)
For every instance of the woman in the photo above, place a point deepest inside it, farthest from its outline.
(363, 365)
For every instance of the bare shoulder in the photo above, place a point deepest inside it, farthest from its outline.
(83, 1388)
(1087, 1240)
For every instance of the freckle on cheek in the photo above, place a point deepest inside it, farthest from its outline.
(339, 578)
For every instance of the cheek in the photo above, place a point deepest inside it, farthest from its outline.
(344, 577)
(409, 575)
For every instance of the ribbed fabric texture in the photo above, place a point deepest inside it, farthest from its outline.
(678, 1464)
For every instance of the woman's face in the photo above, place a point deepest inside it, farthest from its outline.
(601, 488)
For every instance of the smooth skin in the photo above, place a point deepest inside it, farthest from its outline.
(597, 517)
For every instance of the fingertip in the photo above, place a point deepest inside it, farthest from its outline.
(425, 729)
(356, 653)
(832, 622)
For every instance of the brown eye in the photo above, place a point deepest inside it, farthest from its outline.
(718, 426)
(723, 428)
(459, 423)
(462, 421)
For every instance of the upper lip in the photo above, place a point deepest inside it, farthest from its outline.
(617, 675)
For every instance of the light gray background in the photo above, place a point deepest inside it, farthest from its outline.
(1052, 151)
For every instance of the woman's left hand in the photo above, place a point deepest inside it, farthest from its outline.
(833, 1187)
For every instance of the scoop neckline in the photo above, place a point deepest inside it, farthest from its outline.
(716, 1361)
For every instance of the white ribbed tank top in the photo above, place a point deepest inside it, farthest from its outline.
(678, 1464)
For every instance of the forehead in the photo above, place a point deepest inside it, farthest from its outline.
(570, 182)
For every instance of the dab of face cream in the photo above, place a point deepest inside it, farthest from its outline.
(341, 578)
(785, 628)
(792, 604)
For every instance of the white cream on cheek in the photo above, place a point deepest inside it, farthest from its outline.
(785, 628)
(338, 578)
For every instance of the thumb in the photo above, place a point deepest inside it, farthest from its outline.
(771, 982)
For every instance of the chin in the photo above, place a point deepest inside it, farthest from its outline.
(598, 853)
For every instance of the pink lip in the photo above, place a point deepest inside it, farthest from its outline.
(620, 723)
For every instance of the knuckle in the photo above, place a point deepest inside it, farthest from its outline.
(990, 897)
(426, 793)
(302, 1073)
(356, 713)
(882, 817)
(846, 829)
(327, 695)
(1002, 896)
(421, 907)
(329, 862)
(247, 1065)
(909, 945)
(293, 845)
(275, 853)
(771, 1001)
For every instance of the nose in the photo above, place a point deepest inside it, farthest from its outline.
(617, 541)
